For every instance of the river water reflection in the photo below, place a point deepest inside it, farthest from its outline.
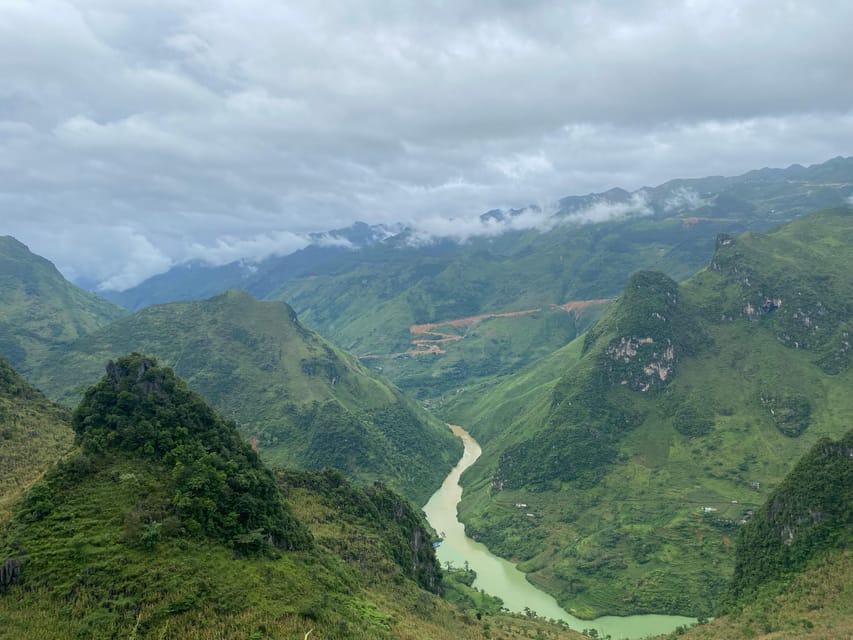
(500, 578)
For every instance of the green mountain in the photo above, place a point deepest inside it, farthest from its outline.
(38, 307)
(809, 515)
(794, 563)
(163, 523)
(300, 400)
(34, 433)
(197, 280)
(635, 448)
(367, 300)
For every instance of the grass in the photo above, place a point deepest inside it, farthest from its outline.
(637, 538)
(87, 575)
(816, 604)
(34, 434)
(306, 403)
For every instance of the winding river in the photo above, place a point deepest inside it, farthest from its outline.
(500, 577)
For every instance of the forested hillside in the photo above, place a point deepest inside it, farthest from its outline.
(794, 564)
(34, 433)
(39, 308)
(162, 522)
(667, 422)
(301, 401)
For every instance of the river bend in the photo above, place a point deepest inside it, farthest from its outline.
(500, 577)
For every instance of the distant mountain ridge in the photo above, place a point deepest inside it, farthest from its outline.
(197, 280)
(710, 195)
(362, 287)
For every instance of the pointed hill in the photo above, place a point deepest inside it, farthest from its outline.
(303, 402)
(794, 564)
(585, 248)
(34, 433)
(590, 245)
(38, 307)
(163, 523)
(649, 441)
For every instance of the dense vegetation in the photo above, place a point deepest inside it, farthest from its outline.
(39, 308)
(637, 447)
(221, 489)
(34, 433)
(162, 523)
(793, 574)
(808, 515)
(305, 403)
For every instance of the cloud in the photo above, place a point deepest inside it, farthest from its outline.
(537, 218)
(231, 249)
(211, 129)
(683, 199)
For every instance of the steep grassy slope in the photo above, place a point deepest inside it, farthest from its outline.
(34, 433)
(794, 569)
(303, 402)
(367, 300)
(809, 515)
(164, 524)
(637, 460)
(38, 307)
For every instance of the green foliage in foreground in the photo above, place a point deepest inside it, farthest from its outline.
(794, 569)
(815, 603)
(399, 531)
(98, 550)
(809, 514)
(639, 482)
(305, 403)
(34, 433)
(220, 488)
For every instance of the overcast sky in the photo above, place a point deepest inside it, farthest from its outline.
(135, 134)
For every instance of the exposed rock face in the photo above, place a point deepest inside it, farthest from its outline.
(654, 363)
(11, 573)
(802, 307)
(653, 330)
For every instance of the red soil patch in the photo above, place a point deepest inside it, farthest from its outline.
(428, 346)
(580, 305)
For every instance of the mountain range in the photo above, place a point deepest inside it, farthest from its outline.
(301, 401)
(368, 298)
(643, 371)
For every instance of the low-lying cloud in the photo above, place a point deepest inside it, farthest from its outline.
(539, 218)
(155, 132)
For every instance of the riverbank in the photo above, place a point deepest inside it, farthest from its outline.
(501, 578)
